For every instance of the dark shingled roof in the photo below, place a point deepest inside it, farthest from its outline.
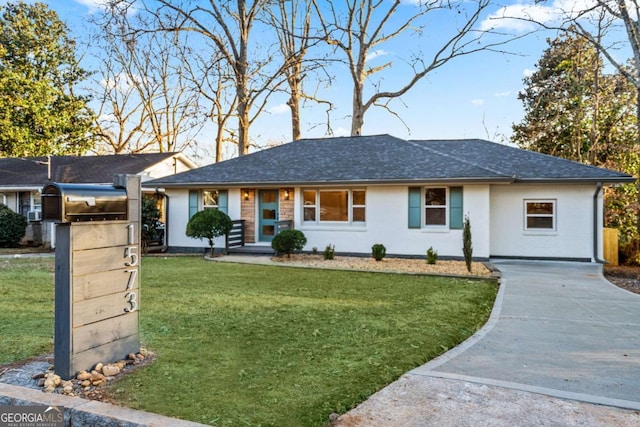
(386, 159)
(32, 171)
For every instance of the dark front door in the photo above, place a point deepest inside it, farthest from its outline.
(268, 214)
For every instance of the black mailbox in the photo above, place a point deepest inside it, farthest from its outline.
(83, 202)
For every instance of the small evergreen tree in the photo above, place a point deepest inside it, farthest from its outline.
(209, 224)
(378, 251)
(467, 248)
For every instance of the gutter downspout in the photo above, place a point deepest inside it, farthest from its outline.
(595, 224)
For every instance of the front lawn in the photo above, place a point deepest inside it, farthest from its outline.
(256, 345)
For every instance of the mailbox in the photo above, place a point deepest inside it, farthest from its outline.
(83, 202)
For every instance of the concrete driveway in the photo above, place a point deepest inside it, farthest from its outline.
(558, 330)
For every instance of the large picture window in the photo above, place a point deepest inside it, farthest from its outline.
(540, 214)
(334, 206)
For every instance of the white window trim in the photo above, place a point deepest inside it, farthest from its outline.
(423, 200)
(320, 223)
(553, 216)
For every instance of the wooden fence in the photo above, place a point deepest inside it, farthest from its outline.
(610, 246)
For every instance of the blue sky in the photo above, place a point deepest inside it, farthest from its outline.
(471, 97)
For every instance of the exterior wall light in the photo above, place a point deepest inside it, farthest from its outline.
(246, 195)
(286, 194)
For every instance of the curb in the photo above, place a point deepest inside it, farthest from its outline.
(81, 412)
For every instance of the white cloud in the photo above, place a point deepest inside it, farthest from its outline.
(503, 94)
(95, 5)
(121, 82)
(522, 17)
(92, 4)
(279, 109)
(340, 131)
(528, 72)
(477, 101)
(375, 54)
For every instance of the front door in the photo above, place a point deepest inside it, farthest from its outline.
(267, 214)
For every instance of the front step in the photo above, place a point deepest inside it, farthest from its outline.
(251, 250)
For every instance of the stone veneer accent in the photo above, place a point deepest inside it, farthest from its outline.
(286, 206)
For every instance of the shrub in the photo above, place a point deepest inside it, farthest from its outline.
(150, 219)
(288, 241)
(432, 256)
(467, 248)
(329, 252)
(378, 251)
(13, 227)
(209, 224)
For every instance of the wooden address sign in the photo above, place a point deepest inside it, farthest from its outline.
(97, 295)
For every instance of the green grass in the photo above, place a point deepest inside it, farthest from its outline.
(26, 308)
(254, 345)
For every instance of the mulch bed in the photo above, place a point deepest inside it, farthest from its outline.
(626, 277)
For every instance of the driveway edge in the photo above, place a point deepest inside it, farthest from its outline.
(81, 412)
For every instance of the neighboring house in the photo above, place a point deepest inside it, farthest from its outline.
(353, 192)
(22, 179)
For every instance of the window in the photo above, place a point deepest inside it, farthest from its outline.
(210, 199)
(207, 199)
(359, 202)
(435, 203)
(437, 207)
(540, 214)
(310, 206)
(334, 205)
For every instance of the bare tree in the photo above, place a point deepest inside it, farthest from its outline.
(212, 80)
(228, 26)
(291, 21)
(146, 103)
(359, 29)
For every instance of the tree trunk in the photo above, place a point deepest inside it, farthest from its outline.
(294, 105)
(358, 110)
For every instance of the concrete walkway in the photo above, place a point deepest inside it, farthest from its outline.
(558, 331)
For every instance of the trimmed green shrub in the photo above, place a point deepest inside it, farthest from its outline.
(209, 224)
(432, 256)
(378, 251)
(329, 252)
(288, 241)
(13, 227)
(467, 248)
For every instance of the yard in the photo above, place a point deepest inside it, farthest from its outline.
(261, 345)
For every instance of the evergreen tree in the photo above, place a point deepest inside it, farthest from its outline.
(40, 113)
(574, 110)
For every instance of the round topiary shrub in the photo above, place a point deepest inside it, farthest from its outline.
(209, 224)
(288, 241)
(13, 227)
